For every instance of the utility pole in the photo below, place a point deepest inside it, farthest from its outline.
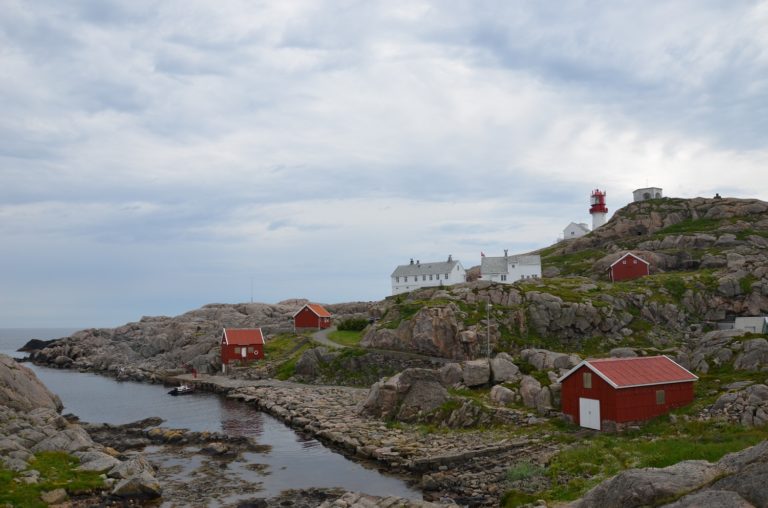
(488, 331)
(251, 289)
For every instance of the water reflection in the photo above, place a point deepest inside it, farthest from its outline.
(294, 461)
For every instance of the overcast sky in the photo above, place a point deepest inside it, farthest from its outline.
(158, 156)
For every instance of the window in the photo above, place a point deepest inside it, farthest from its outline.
(624, 262)
(503, 277)
(397, 279)
(250, 350)
(634, 261)
(587, 380)
(430, 277)
(660, 397)
(446, 276)
(406, 279)
(423, 277)
(237, 350)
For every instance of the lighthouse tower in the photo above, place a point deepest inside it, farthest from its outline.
(598, 210)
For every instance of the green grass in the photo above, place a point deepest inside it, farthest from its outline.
(659, 443)
(346, 337)
(285, 350)
(57, 470)
(691, 226)
(576, 263)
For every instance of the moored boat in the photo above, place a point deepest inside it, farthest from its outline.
(181, 390)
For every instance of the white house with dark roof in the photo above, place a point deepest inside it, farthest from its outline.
(417, 275)
(508, 269)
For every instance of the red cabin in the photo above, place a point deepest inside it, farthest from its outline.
(624, 390)
(243, 344)
(629, 267)
(311, 315)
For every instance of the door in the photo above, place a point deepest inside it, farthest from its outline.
(589, 413)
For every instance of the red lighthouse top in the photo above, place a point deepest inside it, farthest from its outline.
(597, 201)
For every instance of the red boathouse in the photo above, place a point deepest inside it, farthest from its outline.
(628, 267)
(243, 344)
(624, 390)
(310, 316)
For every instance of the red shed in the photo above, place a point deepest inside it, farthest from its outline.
(311, 315)
(628, 267)
(244, 344)
(624, 390)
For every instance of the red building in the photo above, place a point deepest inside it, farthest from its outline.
(629, 267)
(243, 344)
(311, 315)
(624, 390)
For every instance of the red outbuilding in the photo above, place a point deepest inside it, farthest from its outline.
(311, 315)
(628, 267)
(624, 390)
(243, 344)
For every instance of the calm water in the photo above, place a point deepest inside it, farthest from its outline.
(294, 461)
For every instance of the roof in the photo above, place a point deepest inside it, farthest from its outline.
(579, 225)
(318, 310)
(243, 336)
(490, 264)
(632, 255)
(431, 268)
(632, 372)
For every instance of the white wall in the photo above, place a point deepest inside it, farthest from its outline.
(455, 276)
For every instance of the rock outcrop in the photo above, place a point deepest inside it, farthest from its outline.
(30, 423)
(739, 480)
(407, 396)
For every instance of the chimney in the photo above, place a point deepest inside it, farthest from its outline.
(450, 258)
(418, 262)
(505, 252)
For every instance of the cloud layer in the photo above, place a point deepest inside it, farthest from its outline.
(154, 158)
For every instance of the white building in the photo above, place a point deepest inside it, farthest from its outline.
(575, 230)
(646, 194)
(508, 269)
(420, 275)
(754, 324)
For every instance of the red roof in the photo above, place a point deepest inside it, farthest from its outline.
(243, 336)
(629, 254)
(629, 372)
(318, 309)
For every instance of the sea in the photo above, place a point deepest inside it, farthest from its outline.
(295, 461)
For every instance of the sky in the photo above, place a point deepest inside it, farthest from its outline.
(159, 156)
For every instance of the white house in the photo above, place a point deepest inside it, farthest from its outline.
(646, 193)
(420, 275)
(575, 230)
(508, 269)
(754, 324)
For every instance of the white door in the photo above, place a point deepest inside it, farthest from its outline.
(589, 413)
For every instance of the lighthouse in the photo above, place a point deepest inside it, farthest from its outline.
(598, 210)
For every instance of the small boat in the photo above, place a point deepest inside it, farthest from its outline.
(181, 390)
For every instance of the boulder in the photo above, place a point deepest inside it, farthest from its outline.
(21, 390)
(749, 483)
(529, 390)
(96, 461)
(623, 352)
(72, 439)
(56, 496)
(754, 357)
(131, 467)
(406, 396)
(451, 374)
(141, 486)
(502, 395)
(709, 497)
(503, 369)
(649, 486)
(476, 373)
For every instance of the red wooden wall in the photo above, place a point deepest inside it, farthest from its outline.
(628, 268)
(625, 404)
(308, 319)
(228, 353)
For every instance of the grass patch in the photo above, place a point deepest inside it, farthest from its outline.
(57, 470)
(346, 337)
(691, 226)
(576, 263)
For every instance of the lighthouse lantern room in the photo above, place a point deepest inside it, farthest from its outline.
(598, 210)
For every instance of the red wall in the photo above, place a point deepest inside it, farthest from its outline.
(308, 319)
(628, 268)
(228, 353)
(626, 404)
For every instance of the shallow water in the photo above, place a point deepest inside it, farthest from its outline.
(294, 461)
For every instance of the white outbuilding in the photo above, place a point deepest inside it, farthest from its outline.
(647, 193)
(575, 230)
(507, 269)
(417, 275)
